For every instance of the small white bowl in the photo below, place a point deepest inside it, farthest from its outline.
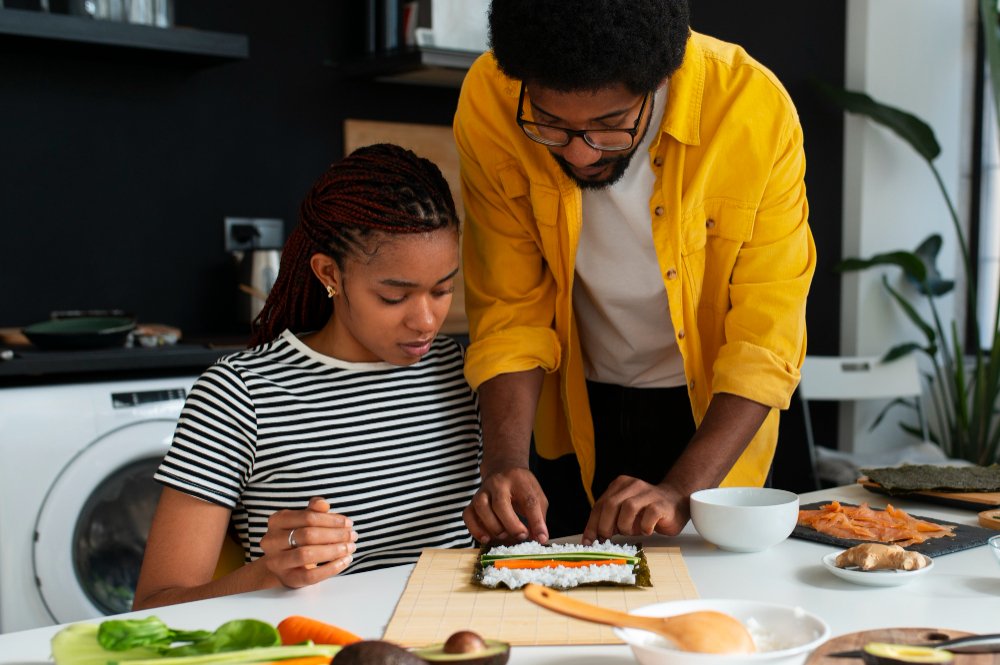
(744, 519)
(782, 633)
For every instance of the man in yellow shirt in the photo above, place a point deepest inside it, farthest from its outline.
(637, 258)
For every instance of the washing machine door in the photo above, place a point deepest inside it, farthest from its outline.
(91, 531)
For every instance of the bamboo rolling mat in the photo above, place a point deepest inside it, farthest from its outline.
(440, 598)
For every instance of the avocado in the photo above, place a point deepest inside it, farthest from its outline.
(881, 653)
(376, 652)
(466, 648)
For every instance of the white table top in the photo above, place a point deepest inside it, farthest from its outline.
(961, 593)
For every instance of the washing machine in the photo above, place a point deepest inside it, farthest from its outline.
(77, 494)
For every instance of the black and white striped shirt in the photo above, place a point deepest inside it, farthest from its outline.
(395, 449)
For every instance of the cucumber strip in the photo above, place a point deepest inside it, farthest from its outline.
(561, 556)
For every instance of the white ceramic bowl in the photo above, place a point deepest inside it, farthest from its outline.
(744, 519)
(781, 633)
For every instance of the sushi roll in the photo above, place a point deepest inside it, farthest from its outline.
(562, 566)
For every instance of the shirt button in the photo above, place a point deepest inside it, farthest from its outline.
(691, 385)
(658, 211)
(709, 223)
(672, 274)
(657, 161)
(680, 334)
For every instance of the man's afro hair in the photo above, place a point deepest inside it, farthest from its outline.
(572, 45)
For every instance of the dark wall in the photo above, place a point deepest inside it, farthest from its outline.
(117, 169)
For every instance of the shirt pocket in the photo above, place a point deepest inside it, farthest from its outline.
(713, 234)
(543, 200)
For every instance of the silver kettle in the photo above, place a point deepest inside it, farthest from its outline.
(257, 261)
(258, 270)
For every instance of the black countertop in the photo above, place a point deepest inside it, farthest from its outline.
(31, 366)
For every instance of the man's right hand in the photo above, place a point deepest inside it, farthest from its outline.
(507, 500)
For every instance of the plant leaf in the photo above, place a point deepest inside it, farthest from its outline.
(909, 127)
(912, 314)
(906, 349)
(912, 265)
(928, 252)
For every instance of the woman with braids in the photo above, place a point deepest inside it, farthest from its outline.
(345, 438)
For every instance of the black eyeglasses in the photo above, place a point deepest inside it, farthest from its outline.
(599, 139)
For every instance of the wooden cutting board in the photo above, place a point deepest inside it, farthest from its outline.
(968, 500)
(852, 641)
(990, 519)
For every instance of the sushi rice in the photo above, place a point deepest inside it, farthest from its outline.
(560, 577)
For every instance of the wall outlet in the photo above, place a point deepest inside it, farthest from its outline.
(249, 233)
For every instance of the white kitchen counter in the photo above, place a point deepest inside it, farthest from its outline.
(961, 593)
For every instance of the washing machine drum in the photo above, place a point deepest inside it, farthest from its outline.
(91, 531)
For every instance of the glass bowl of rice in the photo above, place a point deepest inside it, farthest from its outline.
(780, 633)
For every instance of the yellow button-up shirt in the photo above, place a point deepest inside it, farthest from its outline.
(729, 221)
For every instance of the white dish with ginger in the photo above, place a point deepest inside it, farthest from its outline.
(873, 572)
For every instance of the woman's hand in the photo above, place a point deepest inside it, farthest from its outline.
(302, 547)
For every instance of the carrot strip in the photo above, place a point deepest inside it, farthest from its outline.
(305, 660)
(297, 629)
(552, 563)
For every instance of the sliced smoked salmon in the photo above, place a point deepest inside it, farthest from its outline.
(891, 525)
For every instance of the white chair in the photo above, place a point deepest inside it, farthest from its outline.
(848, 379)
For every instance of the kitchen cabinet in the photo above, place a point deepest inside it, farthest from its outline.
(33, 29)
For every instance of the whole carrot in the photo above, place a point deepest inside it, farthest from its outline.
(297, 629)
(552, 563)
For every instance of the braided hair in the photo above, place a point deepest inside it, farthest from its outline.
(377, 190)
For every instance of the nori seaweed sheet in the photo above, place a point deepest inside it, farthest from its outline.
(922, 477)
(642, 575)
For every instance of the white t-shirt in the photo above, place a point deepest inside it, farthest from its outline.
(618, 294)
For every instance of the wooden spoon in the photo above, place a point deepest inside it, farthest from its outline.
(704, 631)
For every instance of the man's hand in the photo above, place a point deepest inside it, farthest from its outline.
(633, 507)
(493, 514)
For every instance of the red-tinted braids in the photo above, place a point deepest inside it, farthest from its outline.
(377, 189)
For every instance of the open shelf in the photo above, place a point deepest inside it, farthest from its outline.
(41, 27)
(416, 65)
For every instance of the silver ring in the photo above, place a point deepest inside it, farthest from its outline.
(291, 539)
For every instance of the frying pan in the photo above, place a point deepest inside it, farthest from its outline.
(80, 332)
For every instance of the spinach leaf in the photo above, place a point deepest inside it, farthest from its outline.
(124, 634)
(231, 636)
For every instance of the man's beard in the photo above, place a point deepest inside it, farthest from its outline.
(619, 163)
(619, 166)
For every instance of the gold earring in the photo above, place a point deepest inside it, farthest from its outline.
(330, 291)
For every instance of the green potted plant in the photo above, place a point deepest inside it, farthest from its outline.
(964, 380)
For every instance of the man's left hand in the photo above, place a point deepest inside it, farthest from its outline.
(633, 507)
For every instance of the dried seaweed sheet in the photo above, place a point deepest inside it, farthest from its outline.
(642, 574)
(923, 477)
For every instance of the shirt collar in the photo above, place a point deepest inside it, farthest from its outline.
(685, 91)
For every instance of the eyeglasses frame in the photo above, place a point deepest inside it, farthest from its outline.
(573, 133)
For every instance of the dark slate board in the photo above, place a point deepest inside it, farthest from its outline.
(966, 537)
